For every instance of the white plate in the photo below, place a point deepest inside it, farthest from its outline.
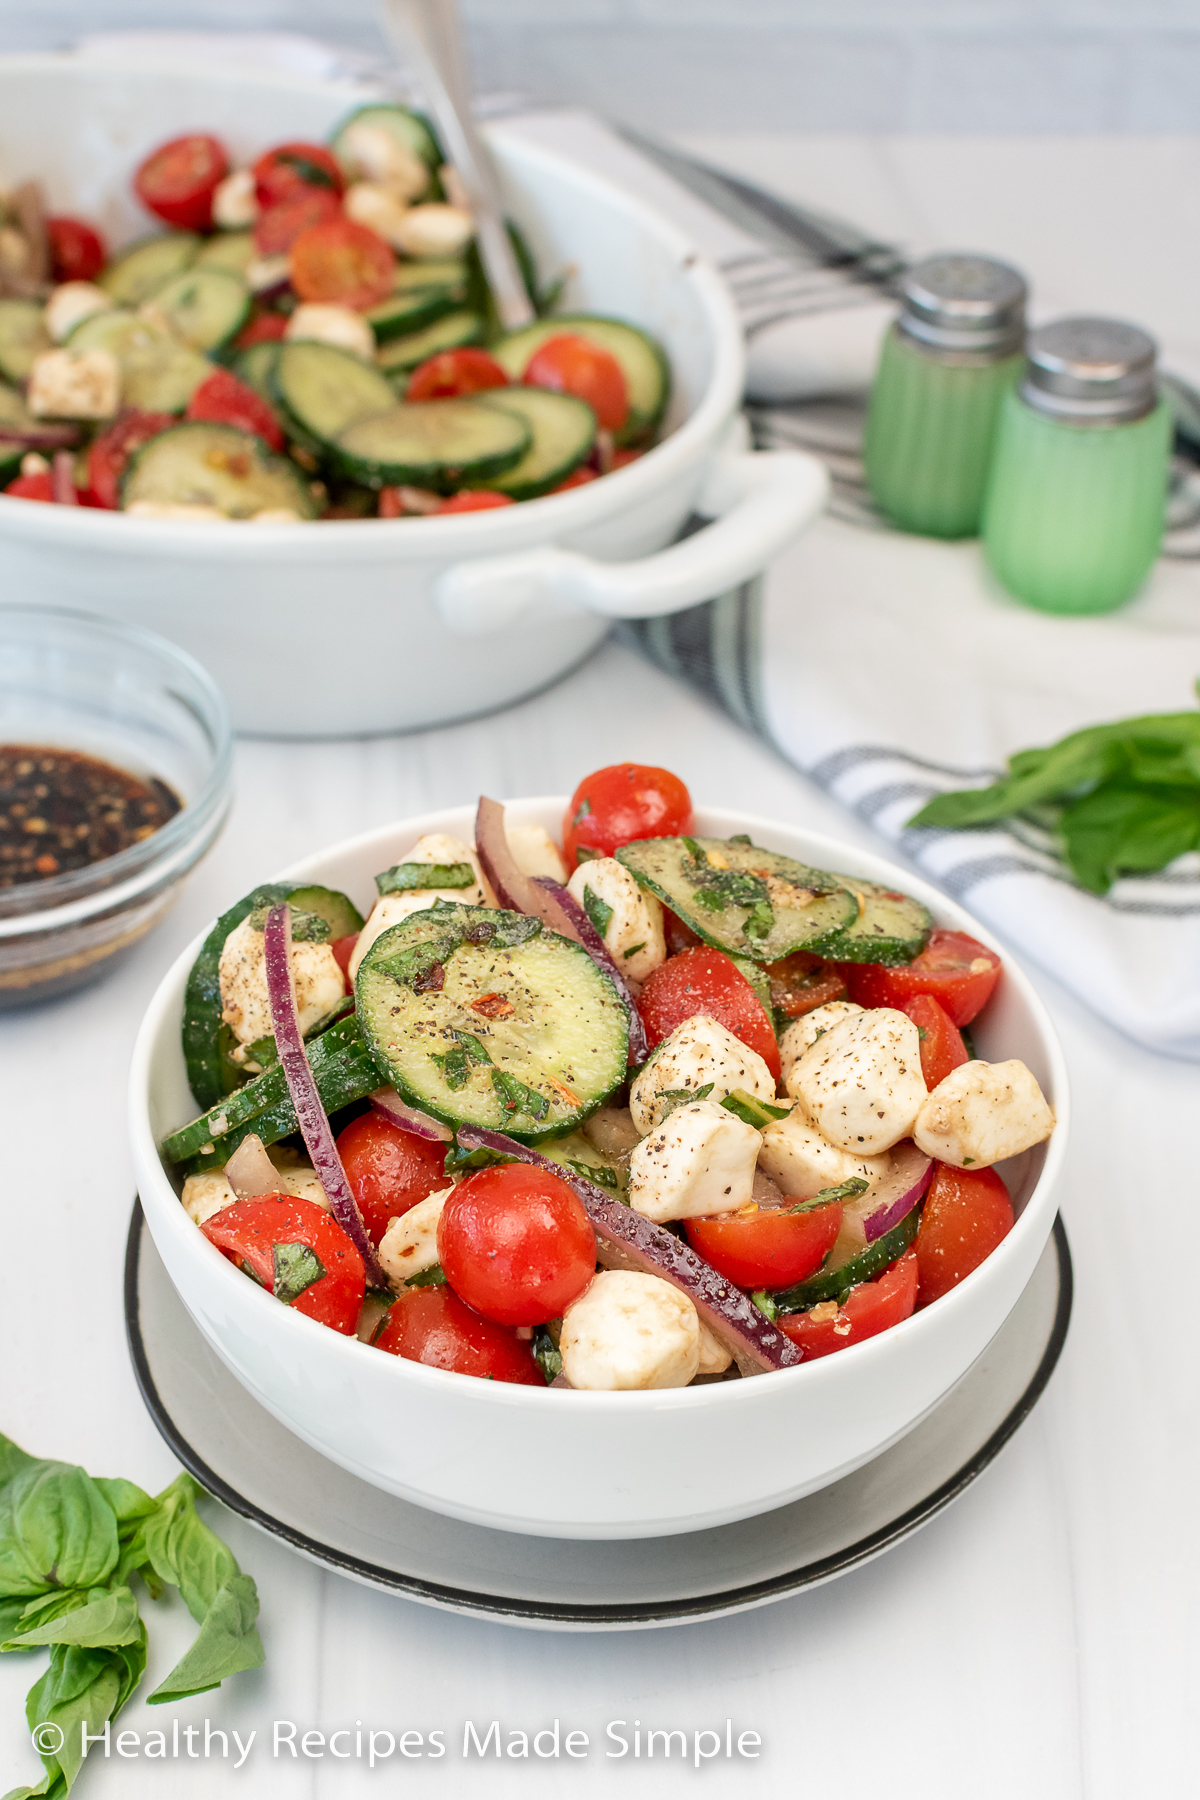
(247, 1459)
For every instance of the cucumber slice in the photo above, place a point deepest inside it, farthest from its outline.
(827, 1284)
(431, 271)
(198, 464)
(410, 309)
(233, 250)
(564, 430)
(14, 414)
(158, 373)
(745, 901)
(337, 909)
(401, 354)
(410, 129)
(891, 928)
(321, 390)
(256, 366)
(204, 307)
(480, 1017)
(647, 374)
(438, 444)
(146, 265)
(23, 338)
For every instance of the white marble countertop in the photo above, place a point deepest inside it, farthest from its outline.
(1041, 1637)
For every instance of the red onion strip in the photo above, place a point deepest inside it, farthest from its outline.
(314, 1126)
(40, 437)
(626, 1240)
(893, 1198)
(387, 1101)
(597, 949)
(251, 1172)
(63, 479)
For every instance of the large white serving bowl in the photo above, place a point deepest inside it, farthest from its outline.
(564, 1464)
(354, 626)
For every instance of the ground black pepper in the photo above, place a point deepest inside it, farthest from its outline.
(61, 810)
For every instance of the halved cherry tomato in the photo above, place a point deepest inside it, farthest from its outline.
(290, 168)
(277, 229)
(32, 487)
(110, 451)
(342, 263)
(222, 399)
(574, 365)
(432, 1325)
(706, 981)
(297, 1252)
(621, 459)
(77, 252)
(516, 1244)
(766, 1247)
(579, 477)
(177, 181)
(454, 372)
(870, 1308)
(942, 1048)
(802, 982)
(956, 969)
(474, 500)
(967, 1212)
(343, 950)
(267, 328)
(614, 806)
(388, 1169)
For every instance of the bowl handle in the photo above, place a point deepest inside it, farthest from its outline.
(758, 501)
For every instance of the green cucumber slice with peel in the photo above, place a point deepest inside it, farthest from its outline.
(321, 390)
(410, 129)
(431, 271)
(143, 268)
(400, 355)
(827, 1284)
(256, 366)
(204, 306)
(443, 444)
(23, 337)
(746, 901)
(891, 928)
(647, 375)
(410, 309)
(563, 428)
(201, 464)
(158, 373)
(233, 250)
(479, 1016)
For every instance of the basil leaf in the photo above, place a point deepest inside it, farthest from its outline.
(183, 1551)
(128, 1501)
(226, 1643)
(435, 1277)
(597, 910)
(682, 1097)
(408, 877)
(297, 1267)
(753, 1111)
(82, 1688)
(56, 1530)
(515, 1097)
(12, 1459)
(90, 1617)
(1123, 829)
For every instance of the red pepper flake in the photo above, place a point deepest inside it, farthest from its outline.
(61, 810)
(493, 1006)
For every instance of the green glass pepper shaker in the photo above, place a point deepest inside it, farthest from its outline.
(945, 367)
(1077, 495)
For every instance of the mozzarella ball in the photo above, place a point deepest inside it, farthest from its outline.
(266, 272)
(70, 303)
(435, 230)
(371, 153)
(801, 1162)
(803, 1033)
(235, 203)
(696, 1053)
(204, 1195)
(86, 386)
(242, 974)
(700, 1161)
(861, 1083)
(630, 1331)
(380, 208)
(409, 1245)
(634, 935)
(535, 851)
(715, 1357)
(981, 1113)
(336, 325)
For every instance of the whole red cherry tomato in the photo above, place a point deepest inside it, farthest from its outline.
(802, 982)
(388, 1169)
(432, 1325)
(112, 448)
(77, 251)
(277, 228)
(177, 181)
(614, 806)
(766, 1247)
(342, 263)
(289, 169)
(297, 1252)
(942, 1048)
(957, 970)
(454, 372)
(222, 399)
(474, 500)
(570, 364)
(516, 1244)
(32, 487)
(967, 1212)
(869, 1308)
(706, 981)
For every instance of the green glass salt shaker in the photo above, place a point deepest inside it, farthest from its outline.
(944, 370)
(1077, 494)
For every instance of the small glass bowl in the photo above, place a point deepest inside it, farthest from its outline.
(70, 681)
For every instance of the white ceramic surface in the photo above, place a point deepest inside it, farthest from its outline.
(578, 1464)
(362, 626)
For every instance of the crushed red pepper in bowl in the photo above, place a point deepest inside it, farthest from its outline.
(62, 810)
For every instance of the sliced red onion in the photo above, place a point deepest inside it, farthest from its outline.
(63, 479)
(626, 1240)
(40, 437)
(893, 1197)
(314, 1125)
(251, 1172)
(388, 1102)
(597, 949)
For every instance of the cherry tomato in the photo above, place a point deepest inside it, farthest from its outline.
(289, 169)
(942, 1048)
(621, 459)
(574, 365)
(706, 981)
(454, 372)
(77, 252)
(32, 487)
(391, 503)
(267, 328)
(516, 1244)
(268, 1236)
(342, 263)
(802, 982)
(956, 969)
(614, 806)
(388, 1169)
(343, 950)
(432, 1325)
(177, 181)
(277, 229)
(111, 449)
(871, 1307)
(579, 477)
(966, 1214)
(766, 1247)
(474, 500)
(222, 399)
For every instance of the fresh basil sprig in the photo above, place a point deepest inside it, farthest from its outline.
(70, 1545)
(1124, 799)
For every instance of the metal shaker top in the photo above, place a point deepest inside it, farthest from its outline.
(1090, 372)
(963, 303)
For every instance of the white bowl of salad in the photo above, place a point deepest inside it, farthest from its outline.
(253, 394)
(598, 1169)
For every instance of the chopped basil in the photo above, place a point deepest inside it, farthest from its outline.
(435, 1277)
(597, 910)
(632, 951)
(682, 1096)
(297, 1267)
(515, 1097)
(845, 1190)
(546, 1353)
(585, 808)
(307, 927)
(752, 1111)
